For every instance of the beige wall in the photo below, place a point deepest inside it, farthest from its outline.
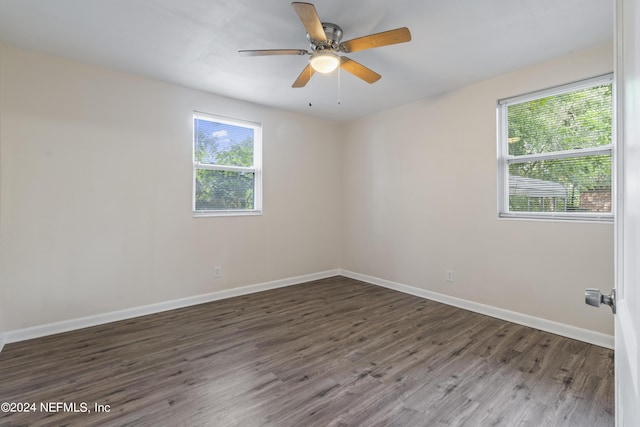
(95, 214)
(2, 321)
(420, 199)
(95, 193)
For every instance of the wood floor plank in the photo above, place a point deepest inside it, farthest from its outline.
(334, 352)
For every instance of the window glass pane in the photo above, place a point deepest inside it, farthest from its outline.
(222, 144)
(579, 119)
(581, 184)
(224, 190)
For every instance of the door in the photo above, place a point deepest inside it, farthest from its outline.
(627, 281)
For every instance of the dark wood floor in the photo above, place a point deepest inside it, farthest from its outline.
(335, 352)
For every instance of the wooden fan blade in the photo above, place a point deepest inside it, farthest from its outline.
(309, 17)
(399, 35)
(359, 70)
(304, 77)
(267, 52)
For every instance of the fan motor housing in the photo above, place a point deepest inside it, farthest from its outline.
(334, 36)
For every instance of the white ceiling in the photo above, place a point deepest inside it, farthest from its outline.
(194, 43)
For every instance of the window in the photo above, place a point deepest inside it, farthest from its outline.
(227, 175)
(555, 153)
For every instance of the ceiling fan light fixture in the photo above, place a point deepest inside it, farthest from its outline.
(324, 61)
(326, 44)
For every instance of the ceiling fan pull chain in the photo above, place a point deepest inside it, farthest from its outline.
(339, 85)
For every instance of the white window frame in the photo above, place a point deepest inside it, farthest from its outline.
(256, 169)
(504, 159)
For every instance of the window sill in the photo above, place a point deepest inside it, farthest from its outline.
(580, 218)
(207, 214)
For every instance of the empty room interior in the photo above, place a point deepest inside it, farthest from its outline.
(199, 225)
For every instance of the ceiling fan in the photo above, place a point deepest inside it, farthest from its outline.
(326, 43)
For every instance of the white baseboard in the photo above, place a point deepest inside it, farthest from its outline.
(591, 337)
(100, 319)
(573, 332)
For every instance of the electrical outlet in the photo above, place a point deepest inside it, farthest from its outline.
(449, 276)
(217, 272)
